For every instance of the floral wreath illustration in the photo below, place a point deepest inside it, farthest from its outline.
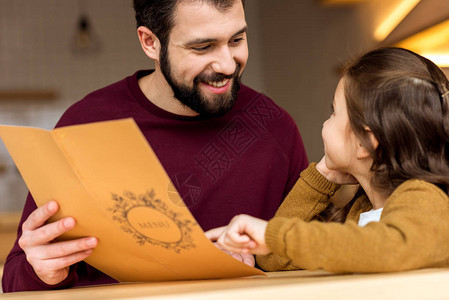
(124, 204)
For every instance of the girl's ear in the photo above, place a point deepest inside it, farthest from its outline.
(362, 152)
(149, 42)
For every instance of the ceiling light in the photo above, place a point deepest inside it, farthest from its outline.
(340, 2)
(429, 39)
(395, 17)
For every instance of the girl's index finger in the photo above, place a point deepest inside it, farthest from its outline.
(214, 234)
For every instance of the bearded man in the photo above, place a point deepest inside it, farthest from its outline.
(228, 149)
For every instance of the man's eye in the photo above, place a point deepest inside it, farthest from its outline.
(237, 40)
(201, 49)
(332, 109)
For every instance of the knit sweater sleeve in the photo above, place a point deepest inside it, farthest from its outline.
(309, 197)
(412, 233)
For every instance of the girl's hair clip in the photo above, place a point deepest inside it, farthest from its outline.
(444, 95)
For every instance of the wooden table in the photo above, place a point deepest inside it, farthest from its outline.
(426, 284)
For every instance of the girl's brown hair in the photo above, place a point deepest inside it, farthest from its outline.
(403, 98)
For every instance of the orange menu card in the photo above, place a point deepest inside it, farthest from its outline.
(108, 178)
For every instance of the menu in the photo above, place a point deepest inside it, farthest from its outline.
(108, 178)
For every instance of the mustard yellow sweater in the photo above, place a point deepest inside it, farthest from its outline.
(413, 231)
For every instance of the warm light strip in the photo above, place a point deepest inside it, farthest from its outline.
(340, 2)
(428, 39)
(441, 59)
(393, 20)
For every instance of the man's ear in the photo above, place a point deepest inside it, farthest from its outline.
(362, 152)
(149, 42)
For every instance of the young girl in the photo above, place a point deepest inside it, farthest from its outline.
(389, 132)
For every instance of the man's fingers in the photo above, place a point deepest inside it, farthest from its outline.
(46, 233)
(231, 246)
(236, 250)
(64, 249)
(249, 260)
(239, 248)
(66, 261)
(56, 264)
(38, 217)
(243, 257)
(226, 249)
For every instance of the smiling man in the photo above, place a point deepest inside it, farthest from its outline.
(228, 149)
(198, 69)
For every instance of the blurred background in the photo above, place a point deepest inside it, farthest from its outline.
(54, 52)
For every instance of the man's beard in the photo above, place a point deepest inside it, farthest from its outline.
(191, 97)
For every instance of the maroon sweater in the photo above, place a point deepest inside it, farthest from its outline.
(243, 162)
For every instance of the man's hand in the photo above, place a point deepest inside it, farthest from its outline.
(244, 234)
(51, 260)
(247, 259)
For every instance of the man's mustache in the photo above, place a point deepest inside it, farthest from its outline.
(215, 77)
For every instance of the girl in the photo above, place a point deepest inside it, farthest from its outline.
(389, 132)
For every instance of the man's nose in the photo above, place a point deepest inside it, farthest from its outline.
(224, 62)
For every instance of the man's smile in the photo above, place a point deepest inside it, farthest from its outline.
(217, 87)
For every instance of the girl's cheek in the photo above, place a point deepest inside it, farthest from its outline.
(324, 129)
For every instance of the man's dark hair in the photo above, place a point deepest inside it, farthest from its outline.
(158, 15)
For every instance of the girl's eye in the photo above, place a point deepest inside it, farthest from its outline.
(332, 109)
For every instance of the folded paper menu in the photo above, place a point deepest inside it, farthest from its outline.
(108, 178)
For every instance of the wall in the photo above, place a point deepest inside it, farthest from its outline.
(305, 44)
(37, 52)
(305, 47)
